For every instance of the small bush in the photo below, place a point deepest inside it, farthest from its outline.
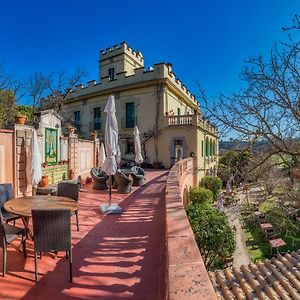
(200, 195)
(213, 234)
(212, 183)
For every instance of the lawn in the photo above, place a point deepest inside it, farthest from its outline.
(257, 245)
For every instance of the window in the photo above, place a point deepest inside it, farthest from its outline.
(130, 115)
(178, 111)
(97, 118)
(77, 120)
(202, 150)
(129, 146)
(206, 147)
(111, 74)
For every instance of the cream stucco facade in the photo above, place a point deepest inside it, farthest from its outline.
(166, 113)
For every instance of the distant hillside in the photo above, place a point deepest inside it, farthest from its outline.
(235, 144)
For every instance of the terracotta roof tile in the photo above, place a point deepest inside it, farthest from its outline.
(278, 278)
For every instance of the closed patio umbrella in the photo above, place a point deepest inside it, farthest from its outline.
(111, 145)
(101, 155)
(137, 146)
(34, 162)
(228, 187)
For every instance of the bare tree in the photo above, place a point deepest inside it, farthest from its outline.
(268, 107)
(56, 86)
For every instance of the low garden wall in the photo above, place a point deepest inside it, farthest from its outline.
(186, 275)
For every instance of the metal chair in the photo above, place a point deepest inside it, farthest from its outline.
(99, 178)
(124, 183)
(6, 193)
(9, 233)
(70, 190)
(52, 232)
(137, 174)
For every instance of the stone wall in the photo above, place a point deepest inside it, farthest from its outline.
(80, 157)
(186, 275)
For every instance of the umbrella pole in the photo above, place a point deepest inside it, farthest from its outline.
(110, 183)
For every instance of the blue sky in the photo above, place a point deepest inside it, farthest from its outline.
(206, 41)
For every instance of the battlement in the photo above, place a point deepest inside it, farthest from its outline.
(160, 71)
(120, 49)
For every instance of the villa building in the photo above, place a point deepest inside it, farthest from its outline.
(168, 116)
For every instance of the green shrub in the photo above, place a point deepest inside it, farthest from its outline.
(213, 234)
(212, 183)
(200, 195)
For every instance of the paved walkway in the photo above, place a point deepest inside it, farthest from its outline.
(114, 257)
(233, 212)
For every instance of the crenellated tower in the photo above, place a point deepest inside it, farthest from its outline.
(118, 59)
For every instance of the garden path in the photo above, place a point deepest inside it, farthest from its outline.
(233, 212)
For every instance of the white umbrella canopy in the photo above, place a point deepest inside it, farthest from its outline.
(101, 155)
(111, 145)
(111, 137)
(34, 162)
(228, 187)
(137, 146)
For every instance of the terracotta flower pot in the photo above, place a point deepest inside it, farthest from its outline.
(21, 120)
(71, 129)
(44, 181)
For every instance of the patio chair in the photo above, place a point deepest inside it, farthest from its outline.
(124, 183)
(52, 232)
(9, 233)
(99, 178)
(6, 193)
(70, 190)
(138, 175)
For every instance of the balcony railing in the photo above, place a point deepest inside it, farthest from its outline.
(183, 120)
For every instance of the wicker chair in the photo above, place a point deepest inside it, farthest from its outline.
(52, 232)
(124, 183)
(138, 176)
(70, 190)
(99, 178)
(6, 193)
(9, 233)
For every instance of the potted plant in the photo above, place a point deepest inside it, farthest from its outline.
(94, 134)
(71, 129)
(20, 119)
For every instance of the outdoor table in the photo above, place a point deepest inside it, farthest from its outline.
(276, 243)
(22, 206)
(265, 226)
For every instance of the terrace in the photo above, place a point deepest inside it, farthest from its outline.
(143, 253)
(114, 256)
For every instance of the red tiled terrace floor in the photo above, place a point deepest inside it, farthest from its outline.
(114, 256)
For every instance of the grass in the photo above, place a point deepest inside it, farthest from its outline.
(257, 245)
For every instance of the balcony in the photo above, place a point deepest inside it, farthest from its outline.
(196, 120)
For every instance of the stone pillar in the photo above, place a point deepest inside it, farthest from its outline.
(73, 156)
(23, 136)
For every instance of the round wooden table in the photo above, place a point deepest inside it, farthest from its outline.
(22, 206)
